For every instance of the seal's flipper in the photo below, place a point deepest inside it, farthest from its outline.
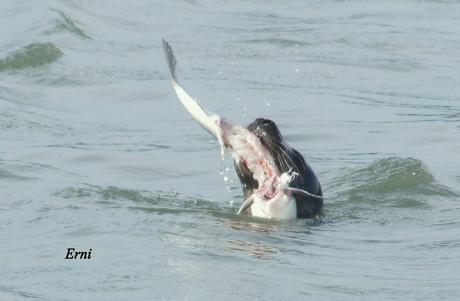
(207, 120)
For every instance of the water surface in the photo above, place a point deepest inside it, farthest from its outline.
(97, 152)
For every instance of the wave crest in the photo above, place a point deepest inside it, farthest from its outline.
(399, 182)
(32, 55)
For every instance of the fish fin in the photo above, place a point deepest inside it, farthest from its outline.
(209, 121)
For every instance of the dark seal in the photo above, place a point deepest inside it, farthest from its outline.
(287, 159)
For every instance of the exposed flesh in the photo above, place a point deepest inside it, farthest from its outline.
(247, 149)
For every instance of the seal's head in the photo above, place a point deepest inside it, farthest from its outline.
(271, 138)
(268, 133)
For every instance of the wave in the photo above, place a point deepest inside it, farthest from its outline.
(7, 175)
(394, 182)
(66, 24)
(159, 202)
(376, 192)
(283, 42)
(32, 55)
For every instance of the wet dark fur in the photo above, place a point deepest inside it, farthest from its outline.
(286, 159)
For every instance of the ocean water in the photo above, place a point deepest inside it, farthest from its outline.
(97, 153)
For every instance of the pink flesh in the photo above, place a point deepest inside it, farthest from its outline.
(247, 148)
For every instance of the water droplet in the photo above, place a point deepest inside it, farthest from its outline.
(268, 104)
(297, 70)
